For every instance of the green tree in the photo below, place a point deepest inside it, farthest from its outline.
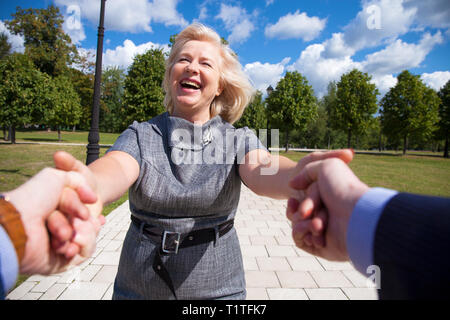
(444, 114)
(63, 107)
(356, 102)
(292, 105)
(21, 92)
(46, 44)
(143, 94)
(335, 138)
(5, 46)
(409, 109)
(254, 115)
(84, 86)
(113, 79)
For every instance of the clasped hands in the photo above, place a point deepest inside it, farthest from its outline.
(60, 211)
(325, 191)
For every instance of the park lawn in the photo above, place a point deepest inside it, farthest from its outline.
(410, 173)
(66, 136)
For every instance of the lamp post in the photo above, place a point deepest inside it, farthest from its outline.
(93, 148)
(269, 91)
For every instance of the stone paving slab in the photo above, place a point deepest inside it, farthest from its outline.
(274, 268)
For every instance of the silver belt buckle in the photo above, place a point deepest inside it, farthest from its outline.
(173, 241)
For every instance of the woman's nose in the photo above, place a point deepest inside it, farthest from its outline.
(192, 67)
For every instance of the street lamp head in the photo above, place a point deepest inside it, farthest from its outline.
(269, 90)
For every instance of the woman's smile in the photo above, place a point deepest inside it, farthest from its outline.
(195, 76)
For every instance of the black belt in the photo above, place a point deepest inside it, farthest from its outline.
(172, 241)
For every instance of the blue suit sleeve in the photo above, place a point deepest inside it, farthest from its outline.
(362, 226)
(9, 265)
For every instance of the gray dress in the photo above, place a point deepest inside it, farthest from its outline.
(188, 180)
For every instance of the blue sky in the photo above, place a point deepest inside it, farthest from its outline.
(322, 39)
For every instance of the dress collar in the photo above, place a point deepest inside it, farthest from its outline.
(183, 134)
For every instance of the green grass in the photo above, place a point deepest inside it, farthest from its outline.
(66, 136)
(425, 174)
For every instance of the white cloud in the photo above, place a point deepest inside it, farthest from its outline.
(238, 21)
(436, 80)
(319, 70)
(263, 75)
(434, 13)
(129, 16)
(165, 11)
(384, 83)
(336, 47)
(400, 55)
(122, 56)
(72, 24)
(16, 41)
(297, 25)
(379, 21)
(269, 2)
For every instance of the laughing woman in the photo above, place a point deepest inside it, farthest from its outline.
(183, 170)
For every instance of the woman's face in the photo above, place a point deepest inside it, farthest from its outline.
(194, 77)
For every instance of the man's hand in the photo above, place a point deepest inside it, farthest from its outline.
(332, 192)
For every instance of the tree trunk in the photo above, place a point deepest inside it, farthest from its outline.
(287, 140)
(379, 142)
(12, 134)
(59, 133)
(405, 144)
(349, 138)
(446, 147)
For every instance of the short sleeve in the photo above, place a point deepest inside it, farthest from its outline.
(128, 142)
(248, 141)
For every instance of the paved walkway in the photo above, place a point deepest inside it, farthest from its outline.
(274, 268)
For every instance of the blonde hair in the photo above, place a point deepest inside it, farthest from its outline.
(237, 90)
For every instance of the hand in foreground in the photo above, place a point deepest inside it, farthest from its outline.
(332, 192)
(301, 197)
(47, 191)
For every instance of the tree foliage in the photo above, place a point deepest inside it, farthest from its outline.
(62, 104)
(409, 109)
(46, 44)
(5, 46)
(113, 79)
(84, 86)
(21, 91)
(254, 115)
(444, 114)
(355, 104)
(292, 105)
(143, 94)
